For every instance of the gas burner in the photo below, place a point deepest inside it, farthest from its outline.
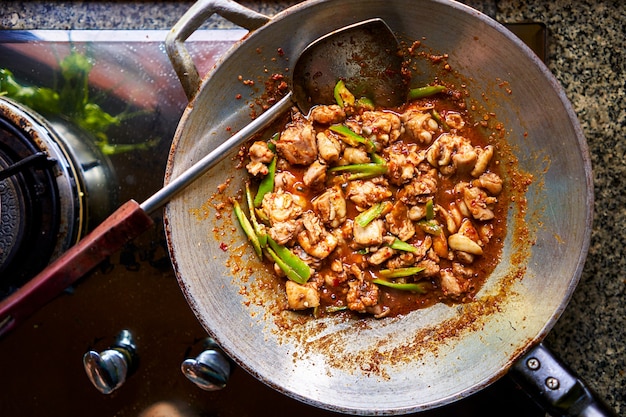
(54, 186)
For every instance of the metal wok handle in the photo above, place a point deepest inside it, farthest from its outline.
(190, 22)
(555, 387)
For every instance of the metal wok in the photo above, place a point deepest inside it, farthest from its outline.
(427, 358)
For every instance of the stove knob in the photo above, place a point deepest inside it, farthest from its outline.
(108, 370)
(209, 370)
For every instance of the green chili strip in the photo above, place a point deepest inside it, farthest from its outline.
(369, 169)
(372, 213)
(258, 229)
(267, 183)
(342, 95)
(400, 272)
(294, 267)
(247, 228)
(427, 91)
(430, 227)
(440, 120)
(365, 103)
(351, 138)
(413, 287)
(377, 159)
(398, 244)
(430, 210)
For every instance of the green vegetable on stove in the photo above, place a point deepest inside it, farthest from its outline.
(259, 229)
(361, 171)
(342, 95)
(248, 229)
(267, 183)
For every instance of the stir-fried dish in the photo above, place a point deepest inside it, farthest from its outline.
(376, 211)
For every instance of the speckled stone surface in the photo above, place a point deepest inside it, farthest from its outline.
(586, 42)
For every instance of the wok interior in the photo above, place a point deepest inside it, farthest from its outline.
(429, 357)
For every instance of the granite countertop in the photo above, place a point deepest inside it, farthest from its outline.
(586, 54)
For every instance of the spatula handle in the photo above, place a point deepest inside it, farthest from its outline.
(126, 223)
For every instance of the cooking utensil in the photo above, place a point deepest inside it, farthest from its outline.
(360, 52)
(427, 358)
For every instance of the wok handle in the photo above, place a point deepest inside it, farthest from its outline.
(555, 387)
(126, 223)
(194, 17)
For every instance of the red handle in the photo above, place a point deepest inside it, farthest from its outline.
(126, 223)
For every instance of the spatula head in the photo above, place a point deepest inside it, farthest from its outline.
(364, 55)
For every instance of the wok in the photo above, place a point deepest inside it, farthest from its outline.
(427, 358)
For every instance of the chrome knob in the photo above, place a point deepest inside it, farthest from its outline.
(109, 369)
(210, 370)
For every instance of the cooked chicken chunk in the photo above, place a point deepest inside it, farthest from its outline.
(327, 115)
(364, 193)
(419, 126)
(301, 297)
(361, 295)
(297, 143)
(383, 127)
(370, 235)
(314, 239)
(329, 148)
(315, 174)
(331, 207)
(281, 206)
(399, 223)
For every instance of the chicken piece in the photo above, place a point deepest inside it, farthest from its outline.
(284, 180)
(297, 143)
(454, 120)
(403, 160)
(327, 115)
(354, 156)
(431, 268)
(420, 189)
(419, 126)
(365, 193)
(382, 127)
(370, 235)
(484, 157)
(455, 281)
(315, 239)
(301, 297)
(478, 202)
(489, 181)
(331, 207)
(399, 223)
(315, 175)
(285, 232)
(281, 206)
(450, 153)
(361, 295)
(381, 255)
(328, 148)
(260, 152)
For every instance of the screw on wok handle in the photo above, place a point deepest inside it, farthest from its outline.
(194, 17)
(126, 223)
(555, 387)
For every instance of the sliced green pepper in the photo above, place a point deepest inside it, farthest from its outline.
(377, 159)
(258, 229)
(247, 228)
(398, 244)
(413, 287)
(427, 91)
(400, 272)
(351, 138)
(440, 120)
(365, 103)
(430, 227)
(267, 183)
(343, 96)
(430, 210)
(366, 217)
(294, 267)
(361, 171)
